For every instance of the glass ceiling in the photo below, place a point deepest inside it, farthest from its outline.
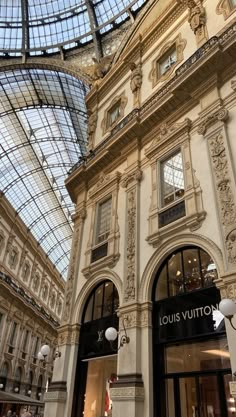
(42, 135)
(37, 26)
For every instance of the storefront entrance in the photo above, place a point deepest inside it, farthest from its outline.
(196, 380)
(191, 362)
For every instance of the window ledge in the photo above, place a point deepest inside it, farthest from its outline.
(192, 222)
(107, 261)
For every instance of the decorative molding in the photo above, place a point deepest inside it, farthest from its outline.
(91, 128)
(103, 184)
(233, 85)
(220, 115)
(122, 99)
(226, 8)
(179, 44)
(55, 397)
(135, 176)
(130, 275)
(68, 335)
(127, 394)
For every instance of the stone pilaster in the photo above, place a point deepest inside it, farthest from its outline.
(131, 182)
(133, 389)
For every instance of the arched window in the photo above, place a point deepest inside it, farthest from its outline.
(187, 269)
(103, 302)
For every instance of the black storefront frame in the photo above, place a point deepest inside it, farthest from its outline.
(159, 374)
(89, 333)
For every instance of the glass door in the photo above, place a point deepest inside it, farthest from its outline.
(205, 395)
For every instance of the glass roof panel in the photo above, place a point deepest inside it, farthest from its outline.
(45, 25)
(42, 135)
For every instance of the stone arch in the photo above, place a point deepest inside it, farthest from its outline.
(169, 246)
(88, 287)
(49, 64)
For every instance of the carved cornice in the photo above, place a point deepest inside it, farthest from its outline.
(68, 335)
(107, 262)
(220, 115)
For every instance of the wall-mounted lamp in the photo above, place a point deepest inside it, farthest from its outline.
(1, 386)
(44, 353)
(16, 389)
(29, 392)
(111, 335)
(228, 308)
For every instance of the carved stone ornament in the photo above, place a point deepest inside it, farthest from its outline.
(92, 124)
(223, 184)
(231, 246)
(220, 115)
(2, 240)
(136, 82)
(225, 7)
(133, 176)
(101, 68)
(233, 85)
(131, 247)
(197, 20)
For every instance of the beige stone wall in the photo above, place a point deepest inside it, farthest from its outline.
(41, 281)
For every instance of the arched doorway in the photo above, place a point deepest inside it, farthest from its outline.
(97, 358)
(190, 351)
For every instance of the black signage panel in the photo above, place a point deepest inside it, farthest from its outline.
(188, 315)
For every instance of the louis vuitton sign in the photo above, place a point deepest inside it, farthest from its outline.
(188, 315)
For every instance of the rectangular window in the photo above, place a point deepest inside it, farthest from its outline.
(167, 61)
(113, 114)
(172, 179)
(103, 220)
(36, 347)
(13, 333)
(25, 341)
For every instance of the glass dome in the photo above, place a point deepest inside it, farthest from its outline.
(39, 26)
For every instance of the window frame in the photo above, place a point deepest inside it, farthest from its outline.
(98, 242)
(107, 186)
(106, 124)
(178, 44)
(161, 174)
(187, 212)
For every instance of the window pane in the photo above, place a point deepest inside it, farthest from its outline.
(176, 284)
(101, 372)
(170, 401)
(209, 272)
(89, 310)
(162, 286)
(172, 179)
(200, 356)
(103, 220)
(167, 61)
(108, 299)
(188, 397)
(97, 314)
(192, 275)
(209, 396)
